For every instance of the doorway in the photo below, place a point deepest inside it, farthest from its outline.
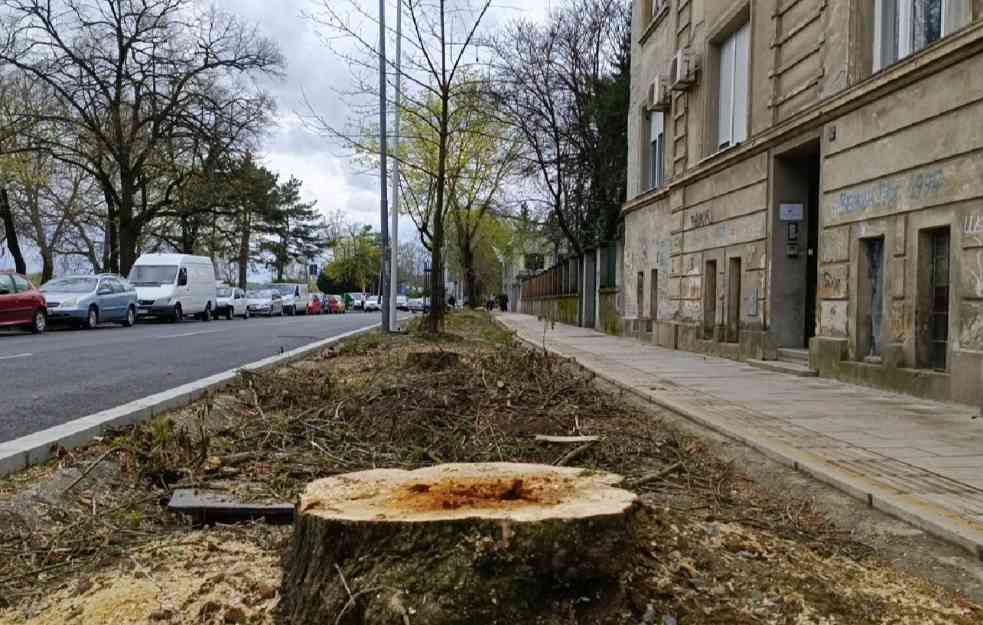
(795, 244)
(932, 346)
(709, 299)
(734, 300)
(870, 300)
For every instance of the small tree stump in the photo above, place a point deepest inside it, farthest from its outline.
(454, 544)
(432, 361)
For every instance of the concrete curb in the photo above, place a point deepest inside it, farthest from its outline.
(918, 513)
(21, 453)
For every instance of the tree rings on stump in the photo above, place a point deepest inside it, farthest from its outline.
(455, 544)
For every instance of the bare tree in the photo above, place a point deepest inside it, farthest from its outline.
(128, 73)
(439, 43)
(556, 85)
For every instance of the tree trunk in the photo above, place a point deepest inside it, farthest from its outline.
(245, 226)
(110, 254)
(47, 265)
(455, 544)
(10, 232)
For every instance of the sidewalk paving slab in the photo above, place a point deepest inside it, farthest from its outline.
(918, 460)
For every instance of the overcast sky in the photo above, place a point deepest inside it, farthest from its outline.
(314, 70)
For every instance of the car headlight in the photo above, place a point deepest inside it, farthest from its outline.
(164, 301)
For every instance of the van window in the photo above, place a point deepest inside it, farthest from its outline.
(153, 275)
(182, 276)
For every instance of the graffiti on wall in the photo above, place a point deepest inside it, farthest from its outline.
(973, 224)
(698, 220)
(888, 193)
(977, 274)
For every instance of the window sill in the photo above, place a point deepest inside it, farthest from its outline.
(653, 24)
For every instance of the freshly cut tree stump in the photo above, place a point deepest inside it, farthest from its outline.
(455, 544)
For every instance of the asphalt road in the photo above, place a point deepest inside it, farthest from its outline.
(62, 375)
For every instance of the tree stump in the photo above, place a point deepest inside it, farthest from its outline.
(454, 544)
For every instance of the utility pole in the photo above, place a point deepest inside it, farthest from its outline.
(384, 200)
(394, 226)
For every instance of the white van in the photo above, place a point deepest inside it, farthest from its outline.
(174, 286)
(295, 297)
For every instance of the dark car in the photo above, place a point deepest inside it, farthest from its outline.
(21, 304)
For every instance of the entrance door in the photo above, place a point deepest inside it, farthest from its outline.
(939, 292)
(709, 299)
(794, 246)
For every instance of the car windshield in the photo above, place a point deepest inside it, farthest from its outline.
(71, 285)
(264, 294)
(284, 289)
(223, 291)
(153, 275)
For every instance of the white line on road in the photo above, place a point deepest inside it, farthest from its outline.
(15, 356)
(176, 336)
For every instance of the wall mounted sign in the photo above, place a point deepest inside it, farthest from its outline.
(790, 212)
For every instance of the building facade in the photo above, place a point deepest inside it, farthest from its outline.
(808, 175)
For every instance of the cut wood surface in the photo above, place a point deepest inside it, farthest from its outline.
(498, 541)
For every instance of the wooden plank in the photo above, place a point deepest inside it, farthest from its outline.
(207, 507)
(567, 440)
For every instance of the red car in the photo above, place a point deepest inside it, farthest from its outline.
(314, 306)
(21, 304)
(336, 305)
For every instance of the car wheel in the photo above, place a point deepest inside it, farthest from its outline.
(131, 317)
(92, 319)
(207, 315)
(39, 323)
(178, 314)
(245, 315)
(228, 314)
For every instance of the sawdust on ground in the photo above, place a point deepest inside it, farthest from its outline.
(212, 577)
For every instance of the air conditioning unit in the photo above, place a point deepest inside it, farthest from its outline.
(682, 70)
(659, 95)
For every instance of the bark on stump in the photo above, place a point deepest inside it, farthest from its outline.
(454, 544)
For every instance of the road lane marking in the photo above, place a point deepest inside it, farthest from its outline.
(176, 336)
(15, 356)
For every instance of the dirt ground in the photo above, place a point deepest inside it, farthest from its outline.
(727, 537)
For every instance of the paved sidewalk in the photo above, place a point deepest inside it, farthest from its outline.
(919, 460)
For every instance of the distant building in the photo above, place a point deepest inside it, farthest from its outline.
(808, 175)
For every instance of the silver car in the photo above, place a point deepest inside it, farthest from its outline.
(87, 301)
(266, 302)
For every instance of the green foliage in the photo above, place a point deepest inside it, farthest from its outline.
(357, 258)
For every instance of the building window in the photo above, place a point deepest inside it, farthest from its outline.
(657, 149)
(732, 88)
(653, 9)
(907, 26)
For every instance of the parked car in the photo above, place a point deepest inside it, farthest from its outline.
(266, 302)
(315, 306)
(294, 297)
(372, 304)
(87, 301)
(417, 304)
(402, 302)
(21, 304)
(336, 304)
(230, 302)
(172, 286)
(355, 301)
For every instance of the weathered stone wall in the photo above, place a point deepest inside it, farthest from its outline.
(562, 309)
(907, 162)
(609, 319)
